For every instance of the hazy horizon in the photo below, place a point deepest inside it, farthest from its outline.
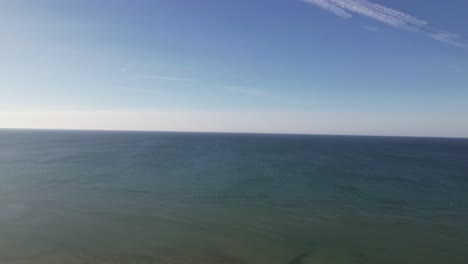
(266, 123)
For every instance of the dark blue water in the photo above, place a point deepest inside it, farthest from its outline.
(137, 197)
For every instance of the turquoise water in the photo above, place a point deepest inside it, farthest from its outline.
(136, 197)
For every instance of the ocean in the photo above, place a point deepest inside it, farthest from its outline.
(212, 198)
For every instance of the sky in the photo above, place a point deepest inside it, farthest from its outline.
(380, 67)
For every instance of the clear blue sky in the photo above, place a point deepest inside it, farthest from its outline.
(319, 66)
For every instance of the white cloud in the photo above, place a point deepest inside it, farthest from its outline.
(388, 16)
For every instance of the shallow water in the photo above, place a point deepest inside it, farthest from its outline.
(137, 197)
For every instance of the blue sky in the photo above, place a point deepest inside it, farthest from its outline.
(315, 66)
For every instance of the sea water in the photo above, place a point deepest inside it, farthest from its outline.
(207, 198)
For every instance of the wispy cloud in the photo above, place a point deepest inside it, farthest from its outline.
(157, 77)
(378, 12)
(246, 91)
(331, 7)
(450, 38)
(386, 15)
(234, 89)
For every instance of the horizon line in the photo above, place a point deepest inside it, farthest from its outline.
(227, 132)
